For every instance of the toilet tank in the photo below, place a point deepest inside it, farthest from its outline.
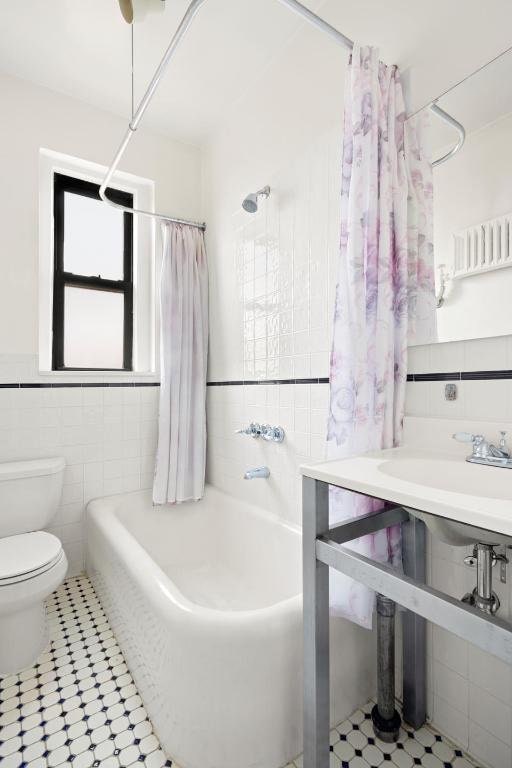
(30, 494)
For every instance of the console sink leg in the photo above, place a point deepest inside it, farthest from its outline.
(385, 718)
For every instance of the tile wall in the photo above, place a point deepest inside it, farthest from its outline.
(299, 408)
(107, 435)
(279, 327)
(470, 693)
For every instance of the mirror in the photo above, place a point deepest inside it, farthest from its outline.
(473, 207)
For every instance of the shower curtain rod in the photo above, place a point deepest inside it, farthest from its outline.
(183, 27)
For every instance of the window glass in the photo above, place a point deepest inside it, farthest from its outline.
(93, 322)
(93, 238)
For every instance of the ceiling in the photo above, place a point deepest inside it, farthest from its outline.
(83, 49)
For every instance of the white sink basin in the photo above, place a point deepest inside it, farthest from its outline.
(456, 477)
(461, 503)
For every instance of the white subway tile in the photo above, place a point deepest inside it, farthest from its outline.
(450, 721)
(490, 673)
(490, 713)
(486, 747)
(451, 687)
(451, 650)
(489, 400)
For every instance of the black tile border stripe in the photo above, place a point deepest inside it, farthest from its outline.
(259, 382)
(441, 376)
(461, 376)
(434, 377)
(75, 384)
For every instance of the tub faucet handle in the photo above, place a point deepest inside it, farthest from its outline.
(253, 430)
(272, 434)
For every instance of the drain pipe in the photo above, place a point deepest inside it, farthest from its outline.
(385, 718)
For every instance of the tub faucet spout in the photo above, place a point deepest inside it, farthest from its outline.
(251, 474)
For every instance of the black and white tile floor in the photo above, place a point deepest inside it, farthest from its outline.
(78, 707)
(353, 745)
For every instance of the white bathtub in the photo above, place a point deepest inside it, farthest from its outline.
(205, 601)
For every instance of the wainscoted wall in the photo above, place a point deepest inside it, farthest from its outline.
(106, 432)
(470, 693)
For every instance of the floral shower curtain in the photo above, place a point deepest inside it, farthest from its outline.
(385, 293)
(181, 451)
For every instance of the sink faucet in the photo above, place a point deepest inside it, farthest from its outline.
(485, 452)
(251, 474)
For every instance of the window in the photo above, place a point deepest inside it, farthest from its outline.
(94, 245)
(92, 279)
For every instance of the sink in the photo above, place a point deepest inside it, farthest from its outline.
(448, 474)
(460, 502)
(455, 476)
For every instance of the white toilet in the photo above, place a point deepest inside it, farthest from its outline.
(32, 562)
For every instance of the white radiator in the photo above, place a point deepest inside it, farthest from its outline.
(483, 247)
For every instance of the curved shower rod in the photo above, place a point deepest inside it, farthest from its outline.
(182, 29)
(436, 109)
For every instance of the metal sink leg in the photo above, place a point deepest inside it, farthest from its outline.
(385, 718)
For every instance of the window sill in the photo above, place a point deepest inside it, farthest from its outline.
(100, 375)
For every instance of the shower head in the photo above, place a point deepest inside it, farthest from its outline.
(250, 204)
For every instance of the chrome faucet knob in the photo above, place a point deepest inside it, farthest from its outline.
(253, 430)
(480, 444)
(466, 437)
(274, 434)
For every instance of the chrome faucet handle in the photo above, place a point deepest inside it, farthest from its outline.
(468, 437)
(253, 430)
(485, 452)
(503, 446)
(272, 434)
(481, 447)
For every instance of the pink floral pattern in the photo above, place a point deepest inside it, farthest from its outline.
(385, 293)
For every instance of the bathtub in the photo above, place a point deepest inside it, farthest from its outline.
(205, 601)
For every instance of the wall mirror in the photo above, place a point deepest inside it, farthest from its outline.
(473, 207)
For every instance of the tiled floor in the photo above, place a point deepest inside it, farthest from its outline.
(353, 745)
(79, 707)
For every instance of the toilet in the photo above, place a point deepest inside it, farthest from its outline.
(32, 562)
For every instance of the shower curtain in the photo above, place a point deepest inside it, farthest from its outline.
(181, 451)
(385, 293)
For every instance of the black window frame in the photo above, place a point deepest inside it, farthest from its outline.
(61, 184)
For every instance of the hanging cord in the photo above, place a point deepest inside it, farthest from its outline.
(132, 69)
(460, 82)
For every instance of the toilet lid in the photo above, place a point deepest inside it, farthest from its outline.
(26, 553)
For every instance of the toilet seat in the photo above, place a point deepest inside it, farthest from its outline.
(27, 555)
